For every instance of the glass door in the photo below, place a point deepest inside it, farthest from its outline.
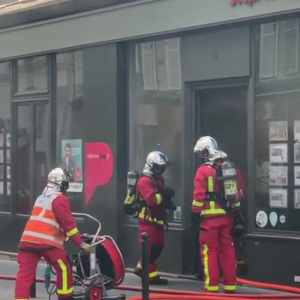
(31, 151)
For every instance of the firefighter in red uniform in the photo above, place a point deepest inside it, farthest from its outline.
(51, 221)
(239, 230)
(156, 200)
(216, 200)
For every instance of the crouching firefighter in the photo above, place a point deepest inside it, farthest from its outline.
(149, 200)
(216, 200)
(51, 221)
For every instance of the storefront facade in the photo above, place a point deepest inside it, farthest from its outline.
(157, 81)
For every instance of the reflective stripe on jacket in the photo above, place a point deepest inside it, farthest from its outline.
(145, 215)
(153, 212)
(42, 226)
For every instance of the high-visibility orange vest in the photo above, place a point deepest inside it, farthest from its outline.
(42, 226)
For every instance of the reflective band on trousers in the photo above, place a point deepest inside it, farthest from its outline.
(229, 287)
(206, 271)
(64, 290)
(143, 215)
(153, 274)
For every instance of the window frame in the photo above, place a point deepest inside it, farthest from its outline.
(132, 104)
(30, 94)
(257, 93)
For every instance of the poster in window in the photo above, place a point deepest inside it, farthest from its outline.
(1, 156)
(278, 131)
(297, 198)
(1, 140)
(297, 175)
(278, 175)
(297, 152)
(278, 153)
(8, 140)
(8, 172)
(8, 187)
(71, 161)
(8, 157)
(1, 172)
(296, 130)
(278, 198)
(1, 188)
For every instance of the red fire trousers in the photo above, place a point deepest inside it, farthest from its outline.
(217, 249)
(28, 261)
(156, 235)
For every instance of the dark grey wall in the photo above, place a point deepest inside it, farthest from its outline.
(100, 123)
(214, 55)
(273, 259)
(103, 85)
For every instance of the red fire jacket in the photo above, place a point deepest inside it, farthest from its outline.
(154, 213)
(206, 181)
(62, 209)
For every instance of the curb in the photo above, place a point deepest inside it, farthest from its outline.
(169, 275)
(4, 255)
(13, 256)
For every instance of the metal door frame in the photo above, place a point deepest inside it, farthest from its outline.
(32, 143)
(190, 122)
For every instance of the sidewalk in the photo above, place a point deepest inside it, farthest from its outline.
(9, 267)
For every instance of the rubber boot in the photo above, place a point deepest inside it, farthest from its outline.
(158, 281)
(138, 272)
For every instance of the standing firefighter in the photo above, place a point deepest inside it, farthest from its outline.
(51, 221)
(216, 200)
(154, 199)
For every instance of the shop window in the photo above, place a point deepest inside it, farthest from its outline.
(156, 112)
(5, 129)
(278, 126)
(32, 74)
(69, 109)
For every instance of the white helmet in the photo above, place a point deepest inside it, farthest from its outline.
(156, 162)
(59, 178)
(208, 147)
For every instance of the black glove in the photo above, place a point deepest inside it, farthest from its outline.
(239, 225)
(168, 193)
(194, 221)
(170, 205)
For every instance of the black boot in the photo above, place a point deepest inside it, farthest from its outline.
(158, 281)
(138, 272)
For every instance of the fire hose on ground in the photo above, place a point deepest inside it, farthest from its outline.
(161, 293)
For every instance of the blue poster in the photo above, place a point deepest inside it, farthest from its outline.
(71, 161)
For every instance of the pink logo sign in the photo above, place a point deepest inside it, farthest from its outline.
(99, 167)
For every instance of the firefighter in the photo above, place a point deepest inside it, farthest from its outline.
(238, 233)
(156, 200)
(216, 199)
(51, 221)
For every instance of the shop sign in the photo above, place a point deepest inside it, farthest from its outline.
(99, 167)
(245, 2)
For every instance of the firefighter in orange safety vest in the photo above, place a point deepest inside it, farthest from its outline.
(51, 221)
(216, 201)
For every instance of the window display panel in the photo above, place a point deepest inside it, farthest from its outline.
(32, 74)
(5, 130)
(156, 111)
(69, 109)
(278, 126)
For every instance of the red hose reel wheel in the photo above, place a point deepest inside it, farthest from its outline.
(94, 292)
